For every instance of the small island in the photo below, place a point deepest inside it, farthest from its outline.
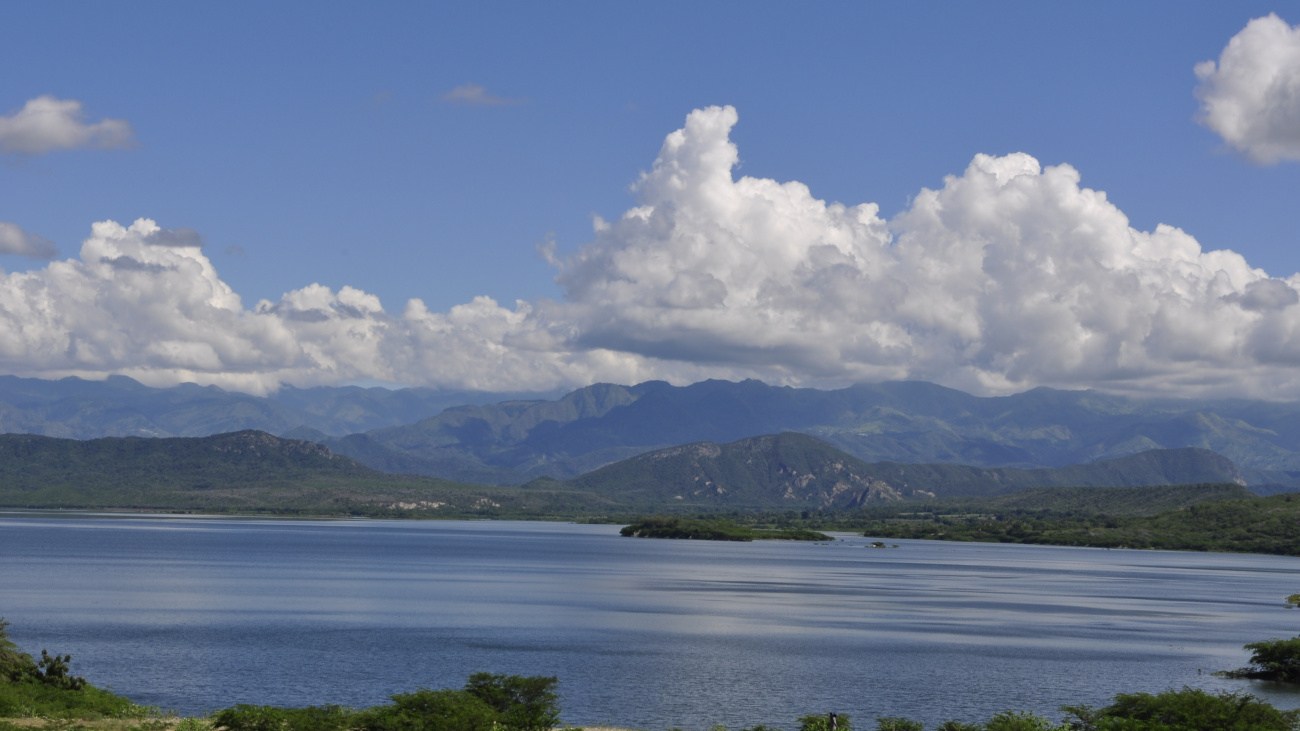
(716, 529)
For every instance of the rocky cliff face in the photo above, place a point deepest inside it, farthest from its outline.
(782, 470)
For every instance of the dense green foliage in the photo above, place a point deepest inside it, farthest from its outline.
(488, 702)
(47, 688)
(716, 529)
(822, 722)
(897, 723)
(523, 703)
(1258, 525)
(246, 717)
(1081, 501)
(430, 710)
(1271, 660)
(1189, 709)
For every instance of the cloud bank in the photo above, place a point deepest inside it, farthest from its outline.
(1251, 97)
(46, 124)
(1009, 275)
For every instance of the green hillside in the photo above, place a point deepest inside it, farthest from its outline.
(243, 471)
(255, 471)
(1114, 501)
(1253, 525)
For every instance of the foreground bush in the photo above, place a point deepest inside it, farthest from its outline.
(822, 722)
(46, 687)
(431, 710)
(488, 702)
(1189, 709)
(523, 703)
(245, 717)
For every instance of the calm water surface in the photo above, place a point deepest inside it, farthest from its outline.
(202, 613)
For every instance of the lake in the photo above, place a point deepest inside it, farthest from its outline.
(195, 614)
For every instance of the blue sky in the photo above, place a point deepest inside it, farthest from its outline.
(324, 143)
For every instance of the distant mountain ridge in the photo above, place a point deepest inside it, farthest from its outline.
(496, 439)
(907, 422)
(73, 408)
(792, 470)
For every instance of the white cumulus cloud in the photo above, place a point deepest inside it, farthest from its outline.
(1251, 97)
(1007, 276)
(45, 124)
(1010, 275)
(14, 240)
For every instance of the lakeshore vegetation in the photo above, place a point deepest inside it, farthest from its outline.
(1255, 525)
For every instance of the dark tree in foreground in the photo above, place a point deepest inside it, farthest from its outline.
(524, 703)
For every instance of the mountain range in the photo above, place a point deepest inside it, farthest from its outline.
(247, 471)
(75, 408)
(256, 471)
(907, 422)
(509, 439)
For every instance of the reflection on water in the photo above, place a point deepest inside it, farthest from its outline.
(196, 614)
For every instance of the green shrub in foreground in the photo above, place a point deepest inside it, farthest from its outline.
(29, 698)
(488, 702)
(821, 722)
(430, 710)
(1189, 709)
(895, 723)
(524, 703)
(245, 717)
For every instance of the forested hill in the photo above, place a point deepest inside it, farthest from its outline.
(795, 470)
(248, 471)
(29, 462)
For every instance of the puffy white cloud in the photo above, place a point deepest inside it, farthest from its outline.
(14, 240)
(45, 124)
(1007, 276)
(146, 302)
(1251, 97)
